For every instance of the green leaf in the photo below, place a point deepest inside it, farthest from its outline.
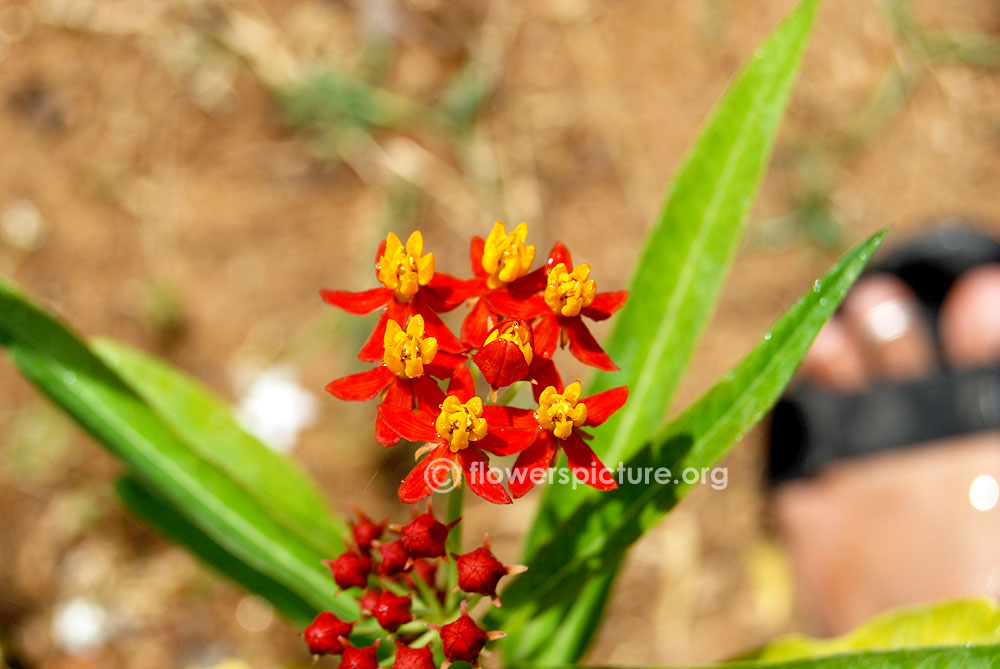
(971, 621)
(592, 541)
(688, 251)
(948, 657)
(206, 424)
(986, 657)
(63, 368)
(151, 509)
(677, 281)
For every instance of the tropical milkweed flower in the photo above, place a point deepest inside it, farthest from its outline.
(569, 294)
(501, 264)
(458, 440)
(410, 287)
(561, 414)
(409, 360)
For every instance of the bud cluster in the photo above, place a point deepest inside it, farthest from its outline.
(401, 593)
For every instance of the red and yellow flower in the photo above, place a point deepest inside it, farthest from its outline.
(501, 264)
(403, 377)
(560, 415)
(410, 287)
(458, 440)
(568, 294)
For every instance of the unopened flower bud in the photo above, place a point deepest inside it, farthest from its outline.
(324, 633)
(350, 570)
(366, 531)
(391, 611)
(424, 536)
(463, 640)
(394, 558)
(413, 658)
(479, 572)
(359, 658)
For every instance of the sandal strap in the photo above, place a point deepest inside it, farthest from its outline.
(813, 427)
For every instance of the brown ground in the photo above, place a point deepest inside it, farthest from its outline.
(180, 213)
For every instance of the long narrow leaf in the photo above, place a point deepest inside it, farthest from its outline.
(688, 252)
(947, 657)
(206, 424)
(593, 540)
(968, 621)
(678, 277)
(63, 368)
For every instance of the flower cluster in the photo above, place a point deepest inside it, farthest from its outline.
(400, 591)
(517, 320)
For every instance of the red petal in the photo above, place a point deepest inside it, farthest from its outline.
(504, 416)
(374, 348)
(362, 386)
(444, 365)
(399, 394)
(378, 255)
(408, 424)
(435, 327)
(586, 465)
(477, 474)
(543, 374)
(535, 458)
(604, 305)
(559, 254)
(445, 292)
(477, 324)
(428, 394)
(500, 301)
(602, 405)
(546, 333)
(433, 468)
(508, 440)
(476, 256)
(364, 302)
(584, 347)
(529, 284)
(462, 384)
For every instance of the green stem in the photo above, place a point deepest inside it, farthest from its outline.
(453, 545)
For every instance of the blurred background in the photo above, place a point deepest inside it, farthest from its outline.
(185, 175)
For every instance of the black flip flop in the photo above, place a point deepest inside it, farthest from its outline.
(813, 427)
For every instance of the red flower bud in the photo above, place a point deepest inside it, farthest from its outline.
(360, 658)
(323, 634)
(391, 611)
(350, 570)
(480, 571)
(365, 531)
(394, 558)
(413, 658)
(369, 599)
(506, 354)
(463, 639)
(424, 536)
